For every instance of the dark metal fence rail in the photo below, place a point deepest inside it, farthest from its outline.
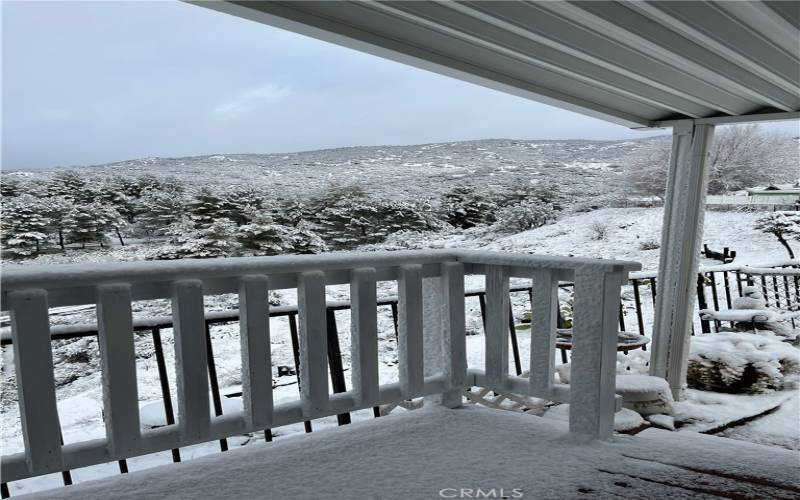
(778, 290)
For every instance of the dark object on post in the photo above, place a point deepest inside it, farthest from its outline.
(726, 256)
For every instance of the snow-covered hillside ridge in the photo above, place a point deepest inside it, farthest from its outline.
(416, 170)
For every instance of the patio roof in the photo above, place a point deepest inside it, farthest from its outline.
(639, 64)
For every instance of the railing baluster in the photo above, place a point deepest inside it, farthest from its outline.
(594, 352)
(313, 343)
(296, 352)
(637, 302)
(33, 361)
(166, 396)
(512, 332)
(496, 329)
(254, 338)
(194, 418)
(705, 326)
(543, 331)
(118, 363)
(410, 348)
(726, 281)
(216, 399)
(364, 336)
(335, 362)
(454, 334)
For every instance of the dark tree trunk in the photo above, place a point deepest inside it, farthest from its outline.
(785, 245)
(121, 243)
(61, 240)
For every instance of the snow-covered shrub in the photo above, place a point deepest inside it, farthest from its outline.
(783, 225)
(598, 230)
(466, 207)
(649, 245)
(737, 362)
(522, 217)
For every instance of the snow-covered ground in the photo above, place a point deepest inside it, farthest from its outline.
(628, 234)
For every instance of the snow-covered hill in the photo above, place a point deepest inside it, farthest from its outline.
(403, 171)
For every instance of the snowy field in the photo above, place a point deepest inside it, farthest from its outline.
(628, 235)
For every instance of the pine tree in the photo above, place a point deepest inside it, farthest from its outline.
(240, 203)
(57, 210)
(217, 239)
(262, 236)
(157, 211)
(24, 226)
(205, 207)
(85, 224)
(71, 184)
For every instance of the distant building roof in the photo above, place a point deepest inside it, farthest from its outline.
(774, 192)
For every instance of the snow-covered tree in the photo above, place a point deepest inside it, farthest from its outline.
(86, 224)
(240, 203)
(205, 207)
(261, 236)
(157, 210)
(24, 226)
(466, 207)
(783, 225)
(10, 186)
(57, 210)
(217, 239)
(742, 156)
(70, 184)
(303, 239)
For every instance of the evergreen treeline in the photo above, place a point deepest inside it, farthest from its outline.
(69, 210)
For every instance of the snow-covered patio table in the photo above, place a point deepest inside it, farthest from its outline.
(437, 452)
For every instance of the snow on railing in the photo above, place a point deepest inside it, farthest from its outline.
(29, 293)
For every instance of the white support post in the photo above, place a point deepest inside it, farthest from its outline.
(118, 361)
(410, 342)
(453, 335)
(33, 361)
(311, 304)
(188, 316)
(496, 326)
(254, 338)
(681, 236)
(594, 352)
(364, 336)
(543, 331)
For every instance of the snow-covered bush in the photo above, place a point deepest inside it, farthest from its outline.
(598, 231)
(465, 207)
(783, 225)
(737, 362)
(522, 217)
(649, 245)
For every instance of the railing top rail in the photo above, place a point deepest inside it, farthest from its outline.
(784, 266)
(544, 261)
(90, 274)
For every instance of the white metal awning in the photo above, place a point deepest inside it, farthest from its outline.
(640, 64)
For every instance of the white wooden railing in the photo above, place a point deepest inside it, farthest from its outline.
(29, 293)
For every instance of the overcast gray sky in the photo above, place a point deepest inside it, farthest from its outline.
(96, 82)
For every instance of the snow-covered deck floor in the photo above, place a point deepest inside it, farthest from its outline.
(418, 454)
